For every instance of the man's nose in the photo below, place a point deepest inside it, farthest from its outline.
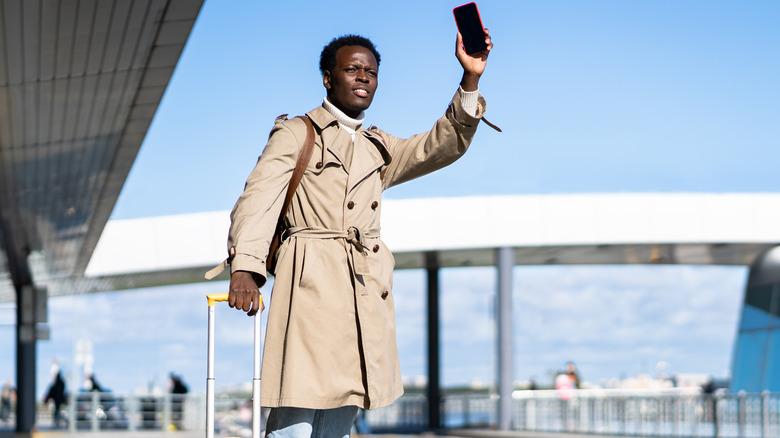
(362, 75)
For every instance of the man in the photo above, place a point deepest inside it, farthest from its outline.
(571, 371)
(56, 394)
(330, 345)
(8, 392)
(178, 397)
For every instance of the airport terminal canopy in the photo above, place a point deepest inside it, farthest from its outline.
(80, 82)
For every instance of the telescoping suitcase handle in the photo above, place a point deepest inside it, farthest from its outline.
(213, 299)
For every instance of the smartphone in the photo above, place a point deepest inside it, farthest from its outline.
(470, 27)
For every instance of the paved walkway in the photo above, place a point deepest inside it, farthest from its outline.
(452, 433)
(108, 434)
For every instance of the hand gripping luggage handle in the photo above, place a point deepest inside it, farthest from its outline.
(212, 300)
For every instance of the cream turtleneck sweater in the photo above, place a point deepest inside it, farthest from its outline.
(346, 122)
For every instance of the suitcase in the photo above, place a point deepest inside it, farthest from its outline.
(212, 300)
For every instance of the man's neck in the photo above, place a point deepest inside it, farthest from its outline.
(344, 120)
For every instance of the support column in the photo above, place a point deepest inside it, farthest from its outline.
(506, 262)
(433, 391)
(17, 250)
(26, 353)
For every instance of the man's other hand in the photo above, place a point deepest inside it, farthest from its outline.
(474, 64)
(244, 293)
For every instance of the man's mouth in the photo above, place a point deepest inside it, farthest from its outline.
(362, 92)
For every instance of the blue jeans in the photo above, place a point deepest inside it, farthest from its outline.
(311, 423)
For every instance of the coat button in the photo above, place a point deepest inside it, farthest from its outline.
(376, 248)
(318, 165)
(385, 294)
(374, 205)
(350, 205)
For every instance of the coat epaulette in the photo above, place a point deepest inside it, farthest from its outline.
(281, 119)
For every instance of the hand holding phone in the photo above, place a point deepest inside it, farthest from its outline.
(470, 27)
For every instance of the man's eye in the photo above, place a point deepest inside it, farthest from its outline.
(350, 69)
(371, 73)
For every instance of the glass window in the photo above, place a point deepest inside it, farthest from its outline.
(748, 366)
(756, 311)
(773, 362)
(753, 318)
(774, 313)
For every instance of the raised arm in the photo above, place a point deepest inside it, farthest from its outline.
(473, 65)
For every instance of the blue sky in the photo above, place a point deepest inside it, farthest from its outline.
(593, 96)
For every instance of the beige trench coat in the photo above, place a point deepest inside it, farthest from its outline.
(330, 340)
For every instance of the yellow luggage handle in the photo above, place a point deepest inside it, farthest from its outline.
(216, 298)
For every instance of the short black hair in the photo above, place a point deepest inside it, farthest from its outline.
(328, 55)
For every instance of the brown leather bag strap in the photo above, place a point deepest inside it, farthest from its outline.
(295, 180)
(300, 169)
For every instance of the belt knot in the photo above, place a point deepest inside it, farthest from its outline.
(355, 237)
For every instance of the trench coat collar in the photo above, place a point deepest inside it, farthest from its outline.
(373, 135)
(360, 167)
(328, 128)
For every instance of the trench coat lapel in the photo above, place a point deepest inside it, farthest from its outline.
(369, 155)
(327, 126)
(379, 142)
(369, 151)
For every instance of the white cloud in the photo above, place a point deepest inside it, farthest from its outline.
(611, 320)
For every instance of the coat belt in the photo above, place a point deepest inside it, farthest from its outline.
(353, 235)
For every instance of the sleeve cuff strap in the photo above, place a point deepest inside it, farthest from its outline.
(243, 262)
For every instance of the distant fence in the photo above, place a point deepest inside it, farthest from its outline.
(97, 411)
(670, 412)
(673, 412)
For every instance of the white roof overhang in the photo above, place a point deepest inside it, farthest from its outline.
(622, 228)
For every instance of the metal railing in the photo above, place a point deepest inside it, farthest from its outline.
(96, 411)
(672, 412)
(408, 413)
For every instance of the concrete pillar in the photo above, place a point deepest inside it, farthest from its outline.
(433, 391)
(25, 358)
(506, 261)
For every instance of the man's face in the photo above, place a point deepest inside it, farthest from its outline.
(352, 83)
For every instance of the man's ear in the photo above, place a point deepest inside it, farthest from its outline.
(326, 79)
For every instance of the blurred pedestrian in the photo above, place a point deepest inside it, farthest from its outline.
(177, 385)
(56, 394)
(711, 403)
(93, 385)
(564, 385)
(178, 394)
(7, 394)
(571, 371)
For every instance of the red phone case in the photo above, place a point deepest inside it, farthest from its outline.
(471, 30)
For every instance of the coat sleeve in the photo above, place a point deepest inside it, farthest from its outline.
(253, 218)
(442, 145)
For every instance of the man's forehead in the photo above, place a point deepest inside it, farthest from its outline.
(352, 54)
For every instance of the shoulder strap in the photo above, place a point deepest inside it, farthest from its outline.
(300, 168)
